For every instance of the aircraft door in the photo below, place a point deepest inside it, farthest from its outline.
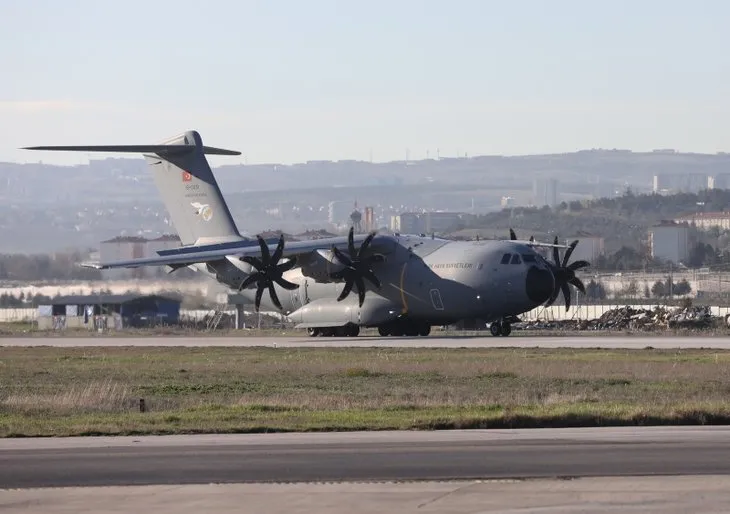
(436, 300)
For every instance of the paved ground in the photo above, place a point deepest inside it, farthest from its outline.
(369, 472)
(446, 455)
(572, 341)
(665, 495)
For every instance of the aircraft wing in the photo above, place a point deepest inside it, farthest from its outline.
(538, 244)
(184, 256)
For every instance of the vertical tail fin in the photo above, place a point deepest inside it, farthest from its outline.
(186, 183)
(191, 194)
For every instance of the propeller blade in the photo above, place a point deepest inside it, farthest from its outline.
(368, 274)
(360, 289)
(578, 265)
(579, 284)
(342, 257)
(285, 284)
(556, 254)
(512, 235)
(257, 300)
(351, 242)
(253, 261)
(253, 277)
(274, 296)
(365, 244)
(265, 255)
(566, 294)
(345, 291)
(569, 251)
(286, 266)
(279, 250)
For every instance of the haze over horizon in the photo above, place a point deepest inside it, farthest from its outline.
(286, 82)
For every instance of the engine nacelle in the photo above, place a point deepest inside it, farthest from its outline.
(328, 312)
(318, 265)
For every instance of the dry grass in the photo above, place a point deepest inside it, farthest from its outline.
(57, 391)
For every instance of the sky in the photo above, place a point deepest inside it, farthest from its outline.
(289, 80)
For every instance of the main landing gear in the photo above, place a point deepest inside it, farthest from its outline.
(349, 330)
(408, 328)
(500, 328)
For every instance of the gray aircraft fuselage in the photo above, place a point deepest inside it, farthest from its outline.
(432, 280)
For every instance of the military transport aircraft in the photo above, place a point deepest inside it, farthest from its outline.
(404, 284)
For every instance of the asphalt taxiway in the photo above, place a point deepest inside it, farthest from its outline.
(630, 469)
(364, 456)
(433, 341)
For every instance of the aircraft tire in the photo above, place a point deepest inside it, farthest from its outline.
(424, 330)
(352, 330)
(314, 332)
(506, 329)
(495, 329)
(384, 330)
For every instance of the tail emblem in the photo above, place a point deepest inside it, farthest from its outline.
(203, 210)
(187, 176)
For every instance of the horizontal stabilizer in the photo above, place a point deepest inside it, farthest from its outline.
(155, 149)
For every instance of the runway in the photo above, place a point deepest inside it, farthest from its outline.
(434, 341)
(368, 456)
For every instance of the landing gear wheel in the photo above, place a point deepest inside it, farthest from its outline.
(352, 330)
(313, 332)
(384, 331)
(425, 330)
(495, 329)
(506, 329)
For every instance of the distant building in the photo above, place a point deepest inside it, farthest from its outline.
(507, 201)
(408, 223)
(589, 248)
(427, 222)
(669, 241)
(133, 247)
(670, 183)
(338, 212)
(545, 192)
(369, 223)
(707, 220)
(719, 181)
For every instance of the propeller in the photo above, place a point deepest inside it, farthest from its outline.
(513, 236)
(358, 265)
(564, 274)
(268, 272)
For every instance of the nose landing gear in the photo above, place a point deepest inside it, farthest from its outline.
(500, 328)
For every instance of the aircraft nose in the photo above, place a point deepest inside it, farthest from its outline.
(540, 284)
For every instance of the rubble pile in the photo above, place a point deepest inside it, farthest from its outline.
(631, 318)
(659, 317)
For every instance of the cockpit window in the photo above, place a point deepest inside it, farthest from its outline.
(506, 257)
(528, 258)
(516, 259)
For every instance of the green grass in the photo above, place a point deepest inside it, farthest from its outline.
(83, 391)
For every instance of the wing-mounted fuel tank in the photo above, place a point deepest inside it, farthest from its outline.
(328, 312)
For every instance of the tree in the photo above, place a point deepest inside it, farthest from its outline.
(659, 289)
(595, 290)
(682, 287)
